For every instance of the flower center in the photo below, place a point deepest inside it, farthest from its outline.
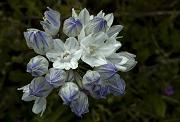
(92, 49)
(65, 56)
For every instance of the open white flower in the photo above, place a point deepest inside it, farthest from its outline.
(97, 47)
(65, 55)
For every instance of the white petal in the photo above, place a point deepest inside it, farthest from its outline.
(27, 97)
(124, 61)
(59, 45)
(101, 14)
(114, 30)
(81, 35)
(95, 40)
(39, 105)
(77, 55)
(52, 55)
(74, 64)
(109, 47)
(91, 17)
(58, 64)
(86, 41)
(71, 44)
(100, 38)
(94, 60)
(109, 18)
(84, 16)
(74, 14)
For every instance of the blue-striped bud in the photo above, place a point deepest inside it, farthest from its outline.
(51, 23)
(69, 92)
(38, 66)
(90, 80)
(56, 77)
(80, 105)
(72, 27)
(116, 85)
(106, 71)
(39, 87)
(38, 40)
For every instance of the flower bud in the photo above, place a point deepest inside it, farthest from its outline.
(72, 27)
(38, 66)
(38, 40)
(90, 79)
(106, 71)
(116, 85)
(56, 77)
(51, 23)
(69, 92)
(80, 105)
(39, 87)
(123, 61)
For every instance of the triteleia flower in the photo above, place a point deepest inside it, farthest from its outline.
(94, 85)
(100, 91)
(80, 105)
(116, 85)
(38, 40)
(56, 77)
(38, 66)
(39, 87)
(51, 23)
(69, 92)
(92, 41)
(65, 55)
(106, 71)
(72, 27)
(123, 61)
(90, 80)
(97, 47)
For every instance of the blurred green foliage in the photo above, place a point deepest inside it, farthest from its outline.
(151, 31)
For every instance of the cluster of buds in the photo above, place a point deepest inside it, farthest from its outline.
(85, 64)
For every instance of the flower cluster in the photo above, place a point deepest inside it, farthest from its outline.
(85, 64)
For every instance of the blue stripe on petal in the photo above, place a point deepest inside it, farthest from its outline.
(56, 77)
(38, 66)
(38, 87)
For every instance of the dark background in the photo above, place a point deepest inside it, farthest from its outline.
(151, 31)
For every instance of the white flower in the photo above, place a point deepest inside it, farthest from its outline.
(97, 47)
(65, 55)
